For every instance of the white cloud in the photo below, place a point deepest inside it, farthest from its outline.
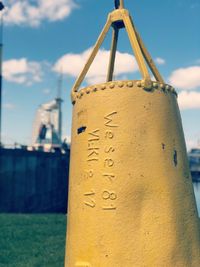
(46, 91)
(189, 100)
(160, 61)
(191, 144)
(9, 106)
(72, 65)
(186, 78)
(32, 13)
(22, 71)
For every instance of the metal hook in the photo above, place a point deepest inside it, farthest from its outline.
(119, 4)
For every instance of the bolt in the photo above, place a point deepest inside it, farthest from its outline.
(130, 84)
(87, 90)
(120, 84)
(78, 95)
(112, 85)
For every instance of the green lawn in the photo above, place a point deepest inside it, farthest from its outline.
(32, 240)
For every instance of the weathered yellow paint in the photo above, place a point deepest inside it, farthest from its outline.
(131, 200)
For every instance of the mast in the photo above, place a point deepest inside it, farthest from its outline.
(59, 103)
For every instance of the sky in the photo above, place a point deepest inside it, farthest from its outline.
(43, 38)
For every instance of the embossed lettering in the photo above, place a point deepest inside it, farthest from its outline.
(109, 195)
(109, 207)
(110, 176)
(109, 149)
(94, 135)
(109, 120)
(109, 134)
(90, 202)
(93, 159)
(93, 146)
(108, 162)
(94, 151)
(91, 193)
(88, 174)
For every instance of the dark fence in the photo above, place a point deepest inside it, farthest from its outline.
(33, 181)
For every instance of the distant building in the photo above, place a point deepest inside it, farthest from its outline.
(47, 128)
(194, 162)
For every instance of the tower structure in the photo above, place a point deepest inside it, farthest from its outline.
(59, 105)
(47, 129)
(131, 200)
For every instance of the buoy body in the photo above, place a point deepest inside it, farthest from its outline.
(131, 200)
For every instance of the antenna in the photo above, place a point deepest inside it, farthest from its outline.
(59, 103)
(59, 88)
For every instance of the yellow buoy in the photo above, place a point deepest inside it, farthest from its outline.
(131, 200)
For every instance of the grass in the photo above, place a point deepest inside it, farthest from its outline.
(32, 240)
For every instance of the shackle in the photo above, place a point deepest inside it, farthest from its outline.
(117, 19)
(119, 4)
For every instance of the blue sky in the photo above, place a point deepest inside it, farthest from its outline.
(43, 37)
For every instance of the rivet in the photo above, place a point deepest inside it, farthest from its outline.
(143, 84)
(147, 86)
(112, 85)
(155, 85)
(130, 84)
(103, 87)
(87, 90)
(139, 84)
(120, 84)
(94, 89)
